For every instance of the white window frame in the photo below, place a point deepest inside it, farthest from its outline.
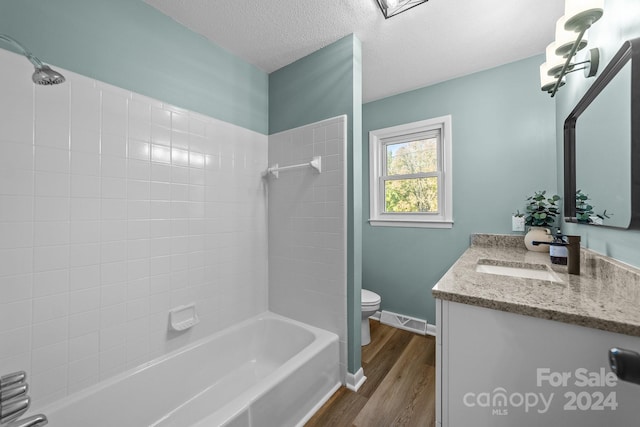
(378, 139)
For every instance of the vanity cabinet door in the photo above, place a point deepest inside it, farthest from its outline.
(502, 369)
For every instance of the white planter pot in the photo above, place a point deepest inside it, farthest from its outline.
(539, 234)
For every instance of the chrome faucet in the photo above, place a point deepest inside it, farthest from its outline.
(32, 421)
(12, 379)
(13, 391)
(13, 409)
(573, 246)
(14, 402)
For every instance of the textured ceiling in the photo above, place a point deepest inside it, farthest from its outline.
(433, 42)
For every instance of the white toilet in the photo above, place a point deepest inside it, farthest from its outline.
(370, 303)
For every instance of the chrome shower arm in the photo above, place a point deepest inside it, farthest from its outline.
(35, 61)
(43, 75)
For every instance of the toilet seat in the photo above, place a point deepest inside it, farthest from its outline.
(369, 299)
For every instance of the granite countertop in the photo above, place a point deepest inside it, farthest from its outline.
(605, 296)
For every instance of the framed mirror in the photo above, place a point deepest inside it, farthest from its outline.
(602, 147)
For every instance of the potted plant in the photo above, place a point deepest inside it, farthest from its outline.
(541, 212)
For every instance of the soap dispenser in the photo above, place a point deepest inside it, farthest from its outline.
(558, 251)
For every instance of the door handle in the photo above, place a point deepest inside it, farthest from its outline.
(625, 364)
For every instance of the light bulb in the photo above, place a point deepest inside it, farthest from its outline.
(555, 62)
(581, 14)
(547, 82)
(566, 39)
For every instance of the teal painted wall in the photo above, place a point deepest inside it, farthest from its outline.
(504, 149)
(620, 22)
(354, 219)
(316, 87)
(326, 84)
(129, 44)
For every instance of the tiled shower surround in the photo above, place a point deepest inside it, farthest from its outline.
(307, 228)
(114, 208)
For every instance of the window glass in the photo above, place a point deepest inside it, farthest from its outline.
(411, 195)
(412, 157)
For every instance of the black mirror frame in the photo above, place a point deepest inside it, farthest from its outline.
(630, 51)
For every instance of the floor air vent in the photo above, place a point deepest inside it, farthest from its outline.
(408, 323)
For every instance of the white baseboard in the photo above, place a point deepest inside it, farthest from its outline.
(431, 329)
(355, 381)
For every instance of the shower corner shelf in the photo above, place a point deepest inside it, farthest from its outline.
(183, 317)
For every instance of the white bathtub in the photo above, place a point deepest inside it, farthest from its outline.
(266, 371)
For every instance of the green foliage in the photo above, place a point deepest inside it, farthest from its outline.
(412, 194)
(541, 211)
(584, 210)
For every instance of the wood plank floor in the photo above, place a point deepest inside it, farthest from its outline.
(400, 387)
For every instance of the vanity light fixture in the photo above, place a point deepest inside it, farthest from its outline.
(565, 39)
(555, 62)
(581, 14)
(571, 30)
(547, 82)
(391, 8)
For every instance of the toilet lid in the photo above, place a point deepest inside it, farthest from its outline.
(370, 298)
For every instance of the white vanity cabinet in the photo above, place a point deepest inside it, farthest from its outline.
(496, 368)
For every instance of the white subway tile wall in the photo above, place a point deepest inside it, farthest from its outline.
(307, 228)
(114, 208)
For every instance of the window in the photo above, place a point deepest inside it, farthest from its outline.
(410, 175)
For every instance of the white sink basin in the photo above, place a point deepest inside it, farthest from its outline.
(517, 269)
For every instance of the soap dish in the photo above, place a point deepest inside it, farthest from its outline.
(183, 317)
